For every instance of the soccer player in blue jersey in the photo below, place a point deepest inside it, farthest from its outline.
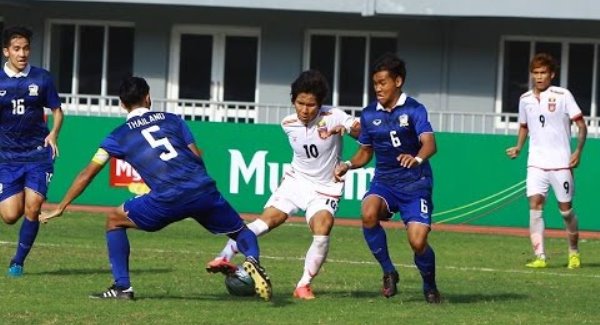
(396, 129)
(27, 147)
(162, 149)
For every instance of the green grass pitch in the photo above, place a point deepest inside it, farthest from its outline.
(482, 279)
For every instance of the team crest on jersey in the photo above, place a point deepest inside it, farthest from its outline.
(376, 122)
(403, 120)
(33, 89)
(2, 93)
(551, 104)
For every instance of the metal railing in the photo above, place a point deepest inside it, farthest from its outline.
(259, 113)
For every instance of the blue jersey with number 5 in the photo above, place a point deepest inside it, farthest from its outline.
(391, 133)
(156, 145)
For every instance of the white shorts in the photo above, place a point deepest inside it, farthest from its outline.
(297, 193)
(538, 181)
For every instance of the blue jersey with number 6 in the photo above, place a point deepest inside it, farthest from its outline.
(391, 133)
(156, 145)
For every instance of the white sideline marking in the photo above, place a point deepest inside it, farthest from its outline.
(330, 260)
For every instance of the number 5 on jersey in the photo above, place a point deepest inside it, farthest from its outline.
(154, 143)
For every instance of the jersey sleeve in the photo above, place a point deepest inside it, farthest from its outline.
(421, 121)
(110, 145)
(52, 98)
(343, 118)
(522, 113)
(188, 137)
(363, 137)
(571, 105)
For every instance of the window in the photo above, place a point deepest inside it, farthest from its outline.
(89, 58)
(345, 59)
(578, 70)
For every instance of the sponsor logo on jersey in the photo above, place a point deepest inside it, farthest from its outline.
(377, 122)
(403, 120)
(551, 104)
(33, 90)
(2, 93)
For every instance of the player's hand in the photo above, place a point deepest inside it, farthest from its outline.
(574, 161)
(513, 152)
(339, 129)
(340, 170)
(45, 217)
(407, 161)
(51, 141)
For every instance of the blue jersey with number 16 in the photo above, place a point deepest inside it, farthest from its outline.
(156, 145)
(22, 125)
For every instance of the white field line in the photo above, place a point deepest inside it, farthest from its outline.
(329, 260)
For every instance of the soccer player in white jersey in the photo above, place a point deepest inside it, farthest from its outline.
(315, 135)
(546, 113)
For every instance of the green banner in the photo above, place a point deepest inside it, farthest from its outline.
(475, 183)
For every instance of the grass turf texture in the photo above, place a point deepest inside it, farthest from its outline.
(482, 279)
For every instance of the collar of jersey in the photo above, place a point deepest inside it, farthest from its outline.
(400, 102)
(19, 74)
(138, 112)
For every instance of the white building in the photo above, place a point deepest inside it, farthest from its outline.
(464, 56)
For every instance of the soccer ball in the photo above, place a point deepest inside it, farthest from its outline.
(239, 283)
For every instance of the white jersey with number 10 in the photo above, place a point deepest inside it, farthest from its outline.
(315, 156)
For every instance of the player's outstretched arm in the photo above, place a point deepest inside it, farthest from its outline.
(428, 149)
(513, 152)
(361, 158)
(197, 151)
(80, 183)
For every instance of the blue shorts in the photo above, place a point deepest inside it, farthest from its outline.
(15, 177)
(210, 210)
(412, 201)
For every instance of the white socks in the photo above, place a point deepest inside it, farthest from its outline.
(536, 232)
(257, 226)
(315, 257)
(572, 226)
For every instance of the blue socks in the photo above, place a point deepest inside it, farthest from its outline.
(377, 241)
(27, 234)
(426, 265)
(247, 243)
(118, 255)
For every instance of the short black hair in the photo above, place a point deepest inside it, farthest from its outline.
(14, 32)
(311, 82)
(133, 91)
(391, 63)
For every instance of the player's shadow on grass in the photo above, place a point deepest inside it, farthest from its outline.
(354, 294)
(63, 272)
(478, 297)
(276, 301)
